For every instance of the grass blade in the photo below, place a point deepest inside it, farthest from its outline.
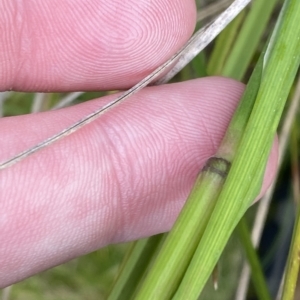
(135, 266)
(245, 177)
(264, 203)
(258, 278)
(292, 271)
(223, 46)
(248, 38)
(175, 255)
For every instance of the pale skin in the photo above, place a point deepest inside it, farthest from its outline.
(127, 174)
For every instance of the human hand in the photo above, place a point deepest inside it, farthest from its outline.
(127, 174)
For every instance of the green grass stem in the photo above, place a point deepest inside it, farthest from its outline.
(257, 274)
(175, 255)
(292, 270)
(222, 62)
(248, 39)
(170, 264)
(245, 177)
(223, 45)
(199, 65)
(134, 267)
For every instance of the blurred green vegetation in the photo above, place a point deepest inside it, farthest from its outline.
(88, 277)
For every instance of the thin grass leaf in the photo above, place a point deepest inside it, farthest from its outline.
(3, 97)
(174, 257)
(67, 100)
(245, 177)
(223, 46)
(295, 164)
(248, 38)
(38, 102)
(6, 293)
(208, 33)
(135, 266)
(176, 253)
(258, 278)
(198, 65)
(232, 60)
(264, 203)
(292, 270)
(197, 43)
(212, 9)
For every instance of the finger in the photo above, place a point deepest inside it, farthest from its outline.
(122, 177)
(49, 45)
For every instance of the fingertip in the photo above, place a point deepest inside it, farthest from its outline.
(90, 45)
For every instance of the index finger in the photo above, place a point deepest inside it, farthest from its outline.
(52, 45)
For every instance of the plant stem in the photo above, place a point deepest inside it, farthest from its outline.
(135, 266)
(197, 63)
(223, 45)
(182, 57)
(245, 177)
(264, 204)
(248, 38)
(258, 278)
(237, 63)
(177, 251)
(181, 242)
(292, 270)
